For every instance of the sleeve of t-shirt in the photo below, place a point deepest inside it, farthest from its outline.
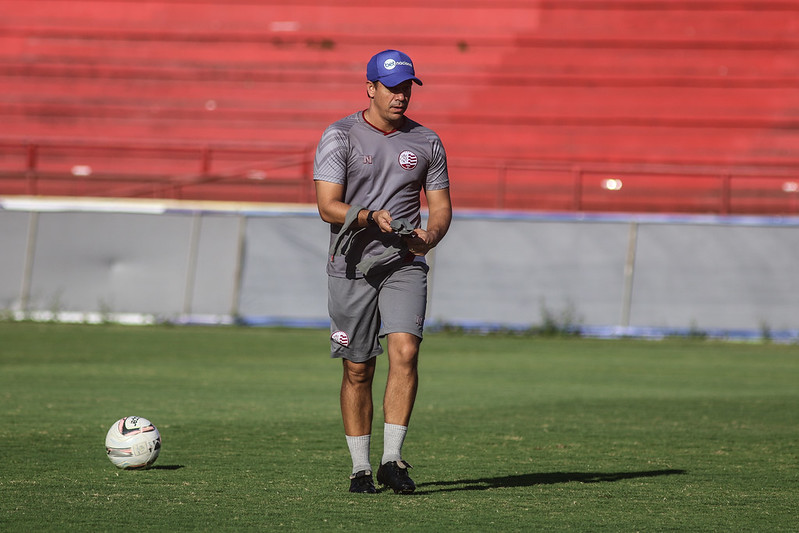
(437, 172)
(330, 161)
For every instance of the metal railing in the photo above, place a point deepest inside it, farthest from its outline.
(274, 173)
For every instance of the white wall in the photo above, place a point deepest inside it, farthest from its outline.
(610, 274)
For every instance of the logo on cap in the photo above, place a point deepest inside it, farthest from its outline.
(391, 67)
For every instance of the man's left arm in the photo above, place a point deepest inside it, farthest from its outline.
(439, 207)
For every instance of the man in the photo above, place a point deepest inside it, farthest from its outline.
(369, 171)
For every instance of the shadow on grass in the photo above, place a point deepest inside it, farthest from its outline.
(166, 467)
(529, 480)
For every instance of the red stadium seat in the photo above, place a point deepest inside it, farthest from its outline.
(141, 93)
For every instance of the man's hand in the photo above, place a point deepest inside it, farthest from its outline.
(383, 220)
(421, 242)
(439, 218)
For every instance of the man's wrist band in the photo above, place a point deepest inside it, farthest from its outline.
(370, 218)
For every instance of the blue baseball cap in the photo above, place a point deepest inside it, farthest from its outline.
(391, 67)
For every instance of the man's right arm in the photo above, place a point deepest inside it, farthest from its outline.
(333, 210)
(330, 202)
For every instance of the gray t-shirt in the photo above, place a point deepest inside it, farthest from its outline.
(379, 171)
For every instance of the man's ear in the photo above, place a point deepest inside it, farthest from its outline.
(370, 89)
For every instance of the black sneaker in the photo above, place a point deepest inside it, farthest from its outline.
(395, 475)
(362, 482)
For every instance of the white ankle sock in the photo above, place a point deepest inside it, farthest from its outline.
(393, 438)
(359, 451)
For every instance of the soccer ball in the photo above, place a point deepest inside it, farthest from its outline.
(133, 442)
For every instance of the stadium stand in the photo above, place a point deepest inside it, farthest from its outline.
(595, 105)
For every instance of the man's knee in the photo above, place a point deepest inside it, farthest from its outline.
(359, 373)
(403, 348)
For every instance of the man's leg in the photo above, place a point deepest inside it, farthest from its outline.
(401, 387)
(356, 397)
(403, 299)
(356, 412)
(403, 378)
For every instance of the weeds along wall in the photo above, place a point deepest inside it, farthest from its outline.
(602, 274)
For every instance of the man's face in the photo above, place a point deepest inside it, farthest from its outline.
(391, 102)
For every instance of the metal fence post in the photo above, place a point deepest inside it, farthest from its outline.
(32, 153)
(629, 274)
(502, 173)
(30, 254)
(577, 193)
(191, 264)
(726, 194)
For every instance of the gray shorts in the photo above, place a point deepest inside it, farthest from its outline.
(363, 310)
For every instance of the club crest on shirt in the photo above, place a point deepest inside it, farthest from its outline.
(408, 160)
(341, 338)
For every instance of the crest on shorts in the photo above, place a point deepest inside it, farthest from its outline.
(408, 160)
(341, 338)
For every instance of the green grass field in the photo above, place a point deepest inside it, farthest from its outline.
(509, 433)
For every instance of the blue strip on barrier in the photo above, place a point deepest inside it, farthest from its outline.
(598, 332)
